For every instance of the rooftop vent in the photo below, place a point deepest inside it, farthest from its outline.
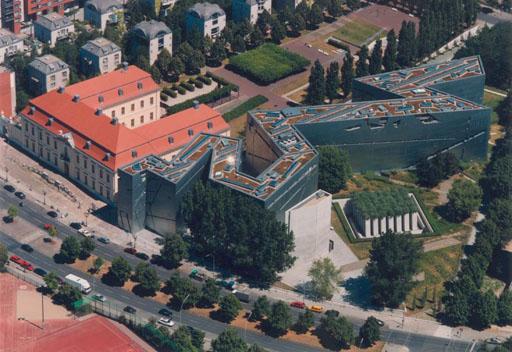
(88, 145)
(195, 103)
(76, 98)
(99, 111)
(50, 121)
(139, 85)
(32, 110)
(61, 90)
(114, 121)
(107, 156)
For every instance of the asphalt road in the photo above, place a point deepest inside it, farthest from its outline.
(36, 215)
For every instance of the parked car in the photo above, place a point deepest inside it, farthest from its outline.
(85, 232)
(75, 225)
(47, 240)
(165, 312)
(40, 272)
(142, 256)
(298, 304)
(130, 250)
(166, 321)
(99, 298)
(242, 297)
(47, 226)
(332, 313)
(23, 263)
(104, 240)
(52, 214)
(27, 248)
(130, 309)
(20, 195)
(9, 188)
(8, 219)
(316, 309)
(379, 322)
(198, 275)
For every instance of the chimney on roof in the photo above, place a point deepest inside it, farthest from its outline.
(114, 121)
(195, 103)
(88, 145)
(61, 89)
(99, 111)
(125, 66)
(76, 98)
(139, 85)
(32, 110)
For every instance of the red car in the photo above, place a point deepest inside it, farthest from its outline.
(22, 263)
(47, 226)
(130, 250)
(298, 304)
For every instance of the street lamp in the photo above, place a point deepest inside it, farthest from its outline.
(86, 216)
(182, 303)
(44, 197)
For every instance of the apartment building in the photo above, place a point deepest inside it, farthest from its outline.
(249, 10)
(7, 92)
(160, 5)
(53, 27)
(12, 14)
(73, 129)
(10, 44)
(99, 13)
(155, 36)
(35, 8)
(99, 56)
(47, 73)
(209, 19)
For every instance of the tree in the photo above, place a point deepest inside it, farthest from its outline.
(264, 21)
(316, 87)
(375, 65)
(297, 24)
(70, 249)
(369, 333)
(193, 59)
(393, 263)
(389, 59)
(332, 81)
(497, 181)
(184, 292)
(315, 16)
(147, 278)
(183, 340)
(334, 168)
(12, 211)
(86, 247)
(362, 64)
(173, 251)
(163, 61)
(256, 348)
(280, 319)
(505, 308)
(338, 330)
(463, 198)
(229, 341)
(175, 68)
(52, 282)
(230, 306)
(67, 295)
(406, 50)
(483, 310)
(98, 263)
(257, 38)
(238, 45)
(431, 172)
(278, 32)
(210, 293)
(4, 257)
(325, 277)
(261, 308)
(504, 109)
(218, 52)
(52, 232)
(334, 8)
(119, 271)
(347, 74)
(304, 322)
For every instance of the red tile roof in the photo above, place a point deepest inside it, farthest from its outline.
(118, 140)
(133, 82)
(5, 92)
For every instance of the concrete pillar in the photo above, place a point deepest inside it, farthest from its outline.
(367, 228)
(391, 223)
(383, 227)
(414, 221)
(375, 227)
(407, 222)
(398, 224)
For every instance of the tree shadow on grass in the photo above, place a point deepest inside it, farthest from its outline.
(358, 292)
(143, 292)
(219, 316)
(60, 259)
(269, 330)
(110, 280)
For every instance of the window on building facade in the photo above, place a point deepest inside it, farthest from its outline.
(32, 130)
(85, 163)
(113, 113)
(78, 159)
(108, 178)
(48, 156)
(142, 103)
(151, 116)
(101, 173)
(122, 110)
(101, 189)
(93, 168)
(54, 144)
(48, 139)
(151, 100)
(142, 119)
(133, 107)
(133, 122)
(85, 180)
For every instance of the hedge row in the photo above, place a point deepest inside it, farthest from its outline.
(346, 226)
(250, 104)
(214, 95)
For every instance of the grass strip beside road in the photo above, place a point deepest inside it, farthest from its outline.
(241, 109)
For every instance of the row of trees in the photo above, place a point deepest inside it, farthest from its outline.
(464, 300)
(241, 234)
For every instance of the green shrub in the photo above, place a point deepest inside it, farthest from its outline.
(198, 84)
(267, 63)
(181, 90)
(173, 94)
(187, 86)
(214, 95)
(174, 86)
(246, 106)
(191, 80)
(219, 80)
(205, 80)
(164, 97)
(167, 91)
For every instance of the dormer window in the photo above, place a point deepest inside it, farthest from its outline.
(170, 139)
(87, 145)
(190, 132)
(209, 124)
(134, 153)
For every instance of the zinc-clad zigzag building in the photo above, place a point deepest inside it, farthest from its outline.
(395, 120)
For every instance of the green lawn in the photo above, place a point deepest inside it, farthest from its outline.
(356, 33)
(492, 101)
(360, 249)
(267, 63)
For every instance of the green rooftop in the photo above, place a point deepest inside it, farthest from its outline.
(383, 203)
